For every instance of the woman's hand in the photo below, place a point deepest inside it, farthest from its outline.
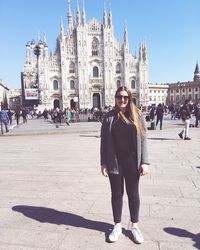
(104, 170)
(144, 169)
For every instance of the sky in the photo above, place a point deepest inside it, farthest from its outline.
(170, 29)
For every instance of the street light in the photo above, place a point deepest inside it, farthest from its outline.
(37, 50)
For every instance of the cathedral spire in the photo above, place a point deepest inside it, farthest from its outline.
(144, 52)
(197, 73)
(61, 27)
(69, 17)
(77, 13)
(110, 23)
(83, 15)
(140, 52)
(45, 39)
(125, 34)
(104, 15)
(45, 46)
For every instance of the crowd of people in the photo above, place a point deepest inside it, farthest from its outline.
(153, 113)
(6, 118)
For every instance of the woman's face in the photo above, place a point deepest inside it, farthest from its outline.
(122, 100)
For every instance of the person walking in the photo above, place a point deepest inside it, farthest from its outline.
(68, 116)
(159, 115)
(17, 115)
(24, 115)
(185, 115)
(173, 112)
(4, 120)
(124, 158)
(10, 114)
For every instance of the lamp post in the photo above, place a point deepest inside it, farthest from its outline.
(37, 51)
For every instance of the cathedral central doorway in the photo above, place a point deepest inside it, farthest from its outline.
(72, 104)
(56, 104)
(96, 100)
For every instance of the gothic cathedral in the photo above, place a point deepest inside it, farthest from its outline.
(86, 68)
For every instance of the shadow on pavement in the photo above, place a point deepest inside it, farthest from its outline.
(162, 139)
(49, 215)
(185, 234)
(95, 136)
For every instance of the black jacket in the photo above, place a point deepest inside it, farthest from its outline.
(108, 155)
(185, 112)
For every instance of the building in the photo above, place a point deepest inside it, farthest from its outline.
(180, 91)
(86, 68)
(15, 99)
(158, 93)
(4, 93)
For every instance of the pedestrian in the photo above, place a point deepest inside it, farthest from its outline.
(185, 115)
(45, 114)
(17, 115)
(152, 113)
(68, 116)
(124, 158)
(173, 112)
(197, 114)
(159, 115)
(10, 114)
(4, 120)
(24, 115)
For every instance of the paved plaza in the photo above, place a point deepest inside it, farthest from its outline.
(53, 196)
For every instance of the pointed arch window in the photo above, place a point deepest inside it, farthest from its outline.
(118, 83)
(55, 85)
(72, 67)
(118, 68)
(95, 47)
(133, 84)
(95, 72)
(72, 84)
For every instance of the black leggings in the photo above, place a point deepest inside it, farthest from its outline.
(159, 119)
(130, 174)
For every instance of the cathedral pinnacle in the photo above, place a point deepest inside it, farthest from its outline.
(83, 15)
(125, 34)
(69, 16)
(61, 27)
(104, 15)
(110, 23)
(77, 13)
(142, 52)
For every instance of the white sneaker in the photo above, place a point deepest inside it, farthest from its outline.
(137, 235)
(114, 235)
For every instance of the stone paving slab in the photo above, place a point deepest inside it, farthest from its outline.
(54, 197)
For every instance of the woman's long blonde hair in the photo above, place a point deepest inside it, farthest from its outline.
(134, 114)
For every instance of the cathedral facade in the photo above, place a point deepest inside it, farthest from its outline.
(86, 68)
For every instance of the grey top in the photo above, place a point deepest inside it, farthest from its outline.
(108, 155)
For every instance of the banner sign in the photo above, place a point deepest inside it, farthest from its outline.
(75, 99)
(31, 94)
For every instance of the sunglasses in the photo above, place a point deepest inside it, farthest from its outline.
(120, 97)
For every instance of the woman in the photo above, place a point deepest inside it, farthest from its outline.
(68, 116)
(159, 114)
(185, 114)
(124, 158)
